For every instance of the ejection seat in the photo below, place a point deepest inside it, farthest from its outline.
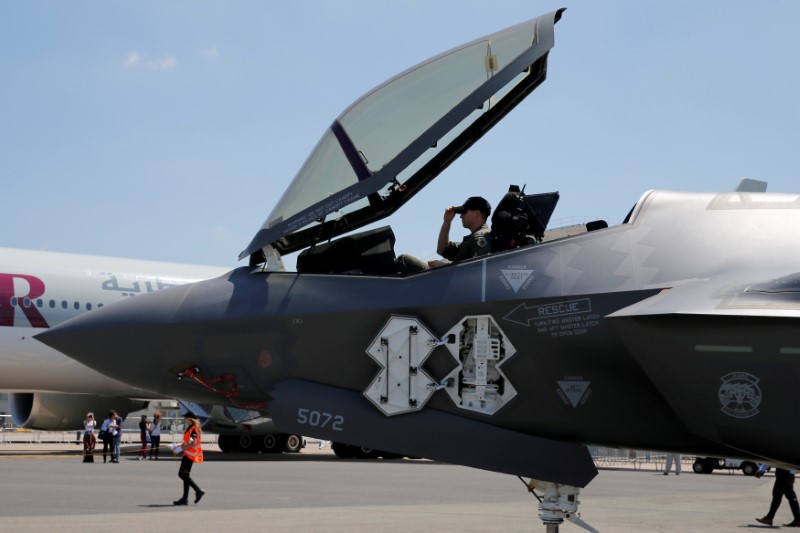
(521, 219)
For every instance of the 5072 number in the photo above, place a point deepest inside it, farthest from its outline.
(317, 419)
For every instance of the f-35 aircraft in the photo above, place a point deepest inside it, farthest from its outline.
(675, 330)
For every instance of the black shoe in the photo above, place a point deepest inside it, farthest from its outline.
(198, 496)
(182, 501)
(793, 523)
(765, 520)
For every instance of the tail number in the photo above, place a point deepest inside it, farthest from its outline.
(317, 419)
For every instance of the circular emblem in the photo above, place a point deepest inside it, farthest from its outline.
(481, 241)
(739, 395)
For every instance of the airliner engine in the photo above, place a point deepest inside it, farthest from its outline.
(59, 412)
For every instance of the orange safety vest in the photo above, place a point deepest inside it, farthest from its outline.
(195, 452)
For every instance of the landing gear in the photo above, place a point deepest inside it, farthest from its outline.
(293, 444)
(247, 444)
(269, 443)
(557, 503)
(343, 451)
(226, 443)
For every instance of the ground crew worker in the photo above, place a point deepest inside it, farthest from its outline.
(192, 453)
(783, 486)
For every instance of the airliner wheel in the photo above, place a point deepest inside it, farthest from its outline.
(226, 443)
(247, 443)
(270, 444)
(294, 443)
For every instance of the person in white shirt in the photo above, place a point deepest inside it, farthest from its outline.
(155, 435)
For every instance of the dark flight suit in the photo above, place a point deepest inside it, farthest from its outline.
(784, 486)
(478, 243)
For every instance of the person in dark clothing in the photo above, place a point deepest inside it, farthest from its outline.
(107, 438)
(474, 213)
(783, 486)
(144, 436)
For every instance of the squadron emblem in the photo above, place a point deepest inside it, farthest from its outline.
(740, 395)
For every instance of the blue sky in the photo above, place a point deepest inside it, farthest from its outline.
(168, 130)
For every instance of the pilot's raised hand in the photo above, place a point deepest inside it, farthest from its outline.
(450, 213)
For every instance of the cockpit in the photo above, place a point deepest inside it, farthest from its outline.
(393, 141)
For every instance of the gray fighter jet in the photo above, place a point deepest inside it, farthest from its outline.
(676, 330)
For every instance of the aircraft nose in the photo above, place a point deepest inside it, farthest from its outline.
(129, 340)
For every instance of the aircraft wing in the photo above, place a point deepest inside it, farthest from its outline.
(724, 296)
(738, 335)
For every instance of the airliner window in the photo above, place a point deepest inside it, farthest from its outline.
(52, 304)
(88, 306)
(39, 303)
(63, 304)
(26, 302)
(77, 306)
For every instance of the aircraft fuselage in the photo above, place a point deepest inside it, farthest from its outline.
(643, 335)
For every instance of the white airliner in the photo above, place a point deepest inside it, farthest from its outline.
(38, 289)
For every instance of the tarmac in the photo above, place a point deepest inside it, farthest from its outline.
(47, 487)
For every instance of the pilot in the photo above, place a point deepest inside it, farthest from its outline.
(474, 213)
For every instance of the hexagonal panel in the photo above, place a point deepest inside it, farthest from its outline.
(401, 347)
(480, 349)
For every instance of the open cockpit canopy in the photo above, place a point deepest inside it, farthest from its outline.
(395, 139)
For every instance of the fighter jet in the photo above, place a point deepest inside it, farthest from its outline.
(675, 330)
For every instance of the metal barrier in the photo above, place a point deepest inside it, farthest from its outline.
(23, 436)
(625, 458)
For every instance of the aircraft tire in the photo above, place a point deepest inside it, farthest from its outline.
(227, 443)
(342, 451)
(270, 443)
(366, 453)
(247, 443)
(293, 443)
(702, 466)
(749, 469)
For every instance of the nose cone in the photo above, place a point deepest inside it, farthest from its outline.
(139, 341)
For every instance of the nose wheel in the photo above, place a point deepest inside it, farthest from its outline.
(557, 503)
